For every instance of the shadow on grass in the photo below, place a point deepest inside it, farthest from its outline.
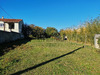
(43, 63)
(6, 47)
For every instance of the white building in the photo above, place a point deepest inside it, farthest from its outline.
(11, 25)
(96, 39)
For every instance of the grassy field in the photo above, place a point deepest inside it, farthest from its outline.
(50, 57)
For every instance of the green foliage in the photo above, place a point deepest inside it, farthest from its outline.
(99, 41)
(50, 31)
(26, 30)
(38, 32)
(85, 33)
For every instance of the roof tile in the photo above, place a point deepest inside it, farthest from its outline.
(11, 20)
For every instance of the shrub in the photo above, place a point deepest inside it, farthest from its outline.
(99, 41)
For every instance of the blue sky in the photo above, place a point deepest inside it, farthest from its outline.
(51, 13)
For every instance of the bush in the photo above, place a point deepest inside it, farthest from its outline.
(99, 41)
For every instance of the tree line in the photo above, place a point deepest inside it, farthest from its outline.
(83, 33)
(38, 32)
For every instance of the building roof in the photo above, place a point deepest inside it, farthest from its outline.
(11, 20)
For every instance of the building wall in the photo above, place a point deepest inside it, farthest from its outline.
(96, 37)
(17, 27)
(7, 27)
(20, 26)
(1, 28)
(9, 36)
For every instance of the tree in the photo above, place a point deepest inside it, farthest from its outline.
(26, 30)
(62, 33)
(37, 32)
(50, 31)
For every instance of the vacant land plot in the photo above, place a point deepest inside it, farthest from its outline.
(50, 57)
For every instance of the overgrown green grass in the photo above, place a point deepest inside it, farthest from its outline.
(24, 59)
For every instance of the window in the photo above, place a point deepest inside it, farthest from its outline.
(1, 25)
(11, 25)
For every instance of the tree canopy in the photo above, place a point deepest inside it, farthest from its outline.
(50, 31)
(39, 32)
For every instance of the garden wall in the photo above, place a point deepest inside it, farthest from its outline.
(9, 36)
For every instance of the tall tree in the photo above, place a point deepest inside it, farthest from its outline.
(50, 31)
